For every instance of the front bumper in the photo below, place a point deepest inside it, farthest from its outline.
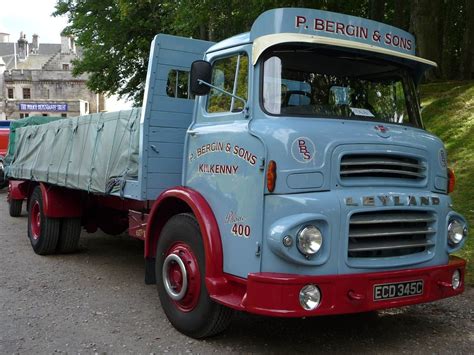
(274, 294)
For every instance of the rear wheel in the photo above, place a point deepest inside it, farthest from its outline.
(3, 179)
(180, 273)
(14, 207)
(69, 235)
(43, 231)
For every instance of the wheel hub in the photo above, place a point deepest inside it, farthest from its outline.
(181, 277)
(35, 222)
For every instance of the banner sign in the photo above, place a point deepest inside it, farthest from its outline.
(333, 25)
(43, 107)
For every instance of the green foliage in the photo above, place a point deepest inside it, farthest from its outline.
(115, 37)
(115, 34)
(449, 113)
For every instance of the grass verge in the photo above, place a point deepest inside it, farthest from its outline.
(448, 112)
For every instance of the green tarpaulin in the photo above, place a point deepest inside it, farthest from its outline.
(95, 153)
(28, 121)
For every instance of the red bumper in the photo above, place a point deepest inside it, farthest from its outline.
(274, 294)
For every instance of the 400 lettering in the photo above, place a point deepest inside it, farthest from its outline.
(241, 230)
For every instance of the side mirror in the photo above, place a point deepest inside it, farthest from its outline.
(200, 70)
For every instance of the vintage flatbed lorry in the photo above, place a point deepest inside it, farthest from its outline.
(287, 174)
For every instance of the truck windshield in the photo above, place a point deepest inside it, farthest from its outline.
(335, 84)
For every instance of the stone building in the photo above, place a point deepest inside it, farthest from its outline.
(36, 79)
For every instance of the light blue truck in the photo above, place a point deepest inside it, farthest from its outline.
(283, 172)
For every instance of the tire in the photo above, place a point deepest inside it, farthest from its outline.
(192, 312)
(43, 231)
(3, 179)
(112, 229)
(15, 207)
(69, 235)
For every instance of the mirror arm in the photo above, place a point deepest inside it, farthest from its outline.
(222, 91)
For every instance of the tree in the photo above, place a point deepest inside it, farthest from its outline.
(115, 34)
(376, 10)
(467, 64)
(425, 23)
(115, 37)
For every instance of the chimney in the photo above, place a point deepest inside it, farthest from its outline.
(22, 47)
(68, 44)
(34, 44)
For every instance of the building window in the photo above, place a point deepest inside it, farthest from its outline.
(65, 66)
(63, 114)
(23, 115)
(10, 93)
(44, 114)
(26, 93)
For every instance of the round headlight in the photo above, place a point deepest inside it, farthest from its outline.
(309, 240)
(457, 230)
(310, 297)
(456, 279)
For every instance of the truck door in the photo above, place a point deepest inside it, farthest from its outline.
(224, 162)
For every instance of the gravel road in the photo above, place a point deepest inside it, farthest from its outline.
(96, 301)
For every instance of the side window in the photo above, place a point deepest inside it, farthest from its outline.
(231, 75)
(178, 84)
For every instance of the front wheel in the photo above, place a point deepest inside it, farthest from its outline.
(180, 272)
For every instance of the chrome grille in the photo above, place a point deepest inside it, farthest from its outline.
(390, 233)
(381, 166)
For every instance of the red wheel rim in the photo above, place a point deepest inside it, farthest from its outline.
(35, 222)
(175, 277)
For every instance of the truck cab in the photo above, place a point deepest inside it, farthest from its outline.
(311, 151)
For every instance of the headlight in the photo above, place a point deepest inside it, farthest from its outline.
(309, 240)
(457, 231)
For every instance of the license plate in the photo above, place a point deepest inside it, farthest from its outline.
(398, 290)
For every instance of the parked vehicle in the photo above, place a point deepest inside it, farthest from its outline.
(4, 132)
(287, 174)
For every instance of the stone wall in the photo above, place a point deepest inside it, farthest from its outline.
(50, 85)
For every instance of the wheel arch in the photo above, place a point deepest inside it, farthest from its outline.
(180, 200)
(19, 189)
(59, 202)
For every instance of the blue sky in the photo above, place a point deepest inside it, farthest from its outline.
(31, 16)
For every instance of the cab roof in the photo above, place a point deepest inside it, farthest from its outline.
(301, 25)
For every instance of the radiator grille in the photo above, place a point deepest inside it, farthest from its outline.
(390, 233)
(381, 166)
